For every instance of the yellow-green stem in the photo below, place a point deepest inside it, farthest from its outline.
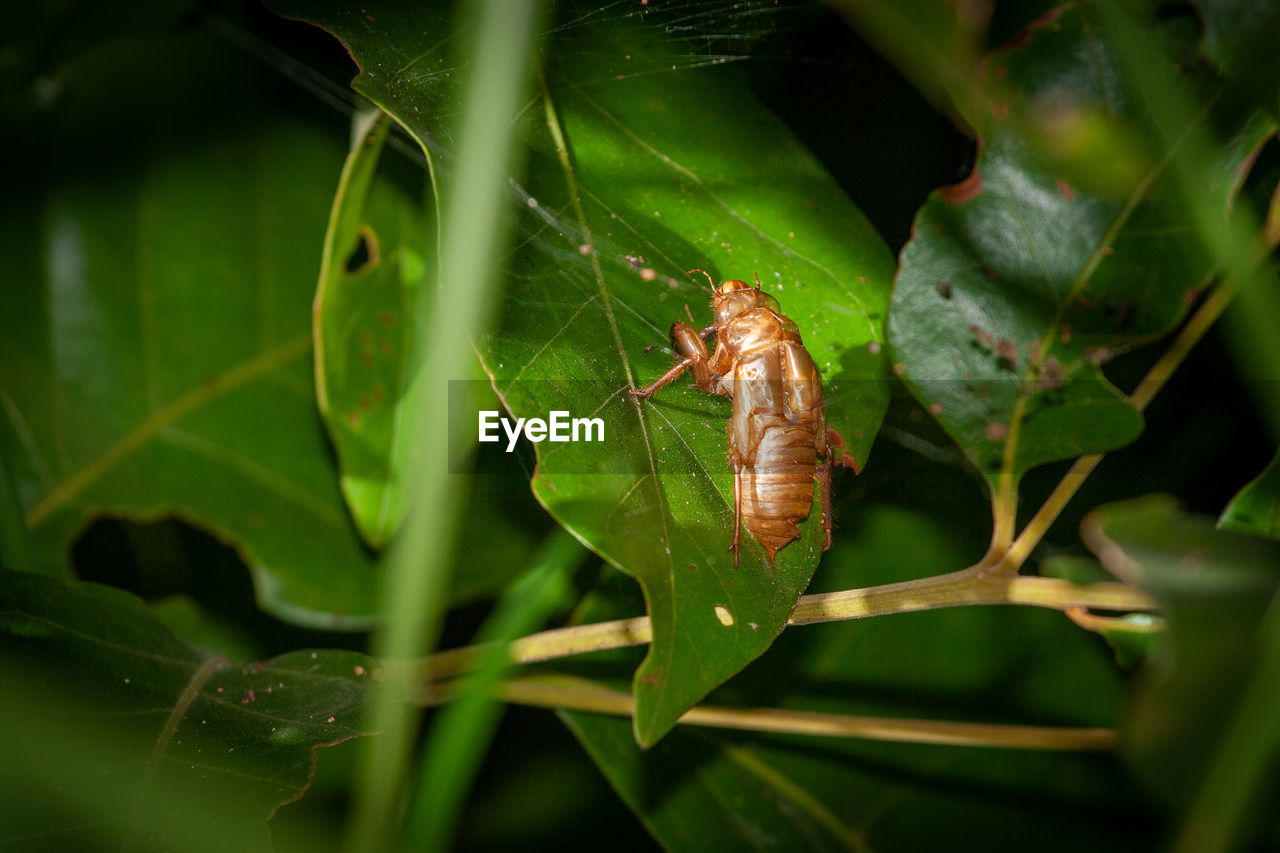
(582, 695)
(969, 586)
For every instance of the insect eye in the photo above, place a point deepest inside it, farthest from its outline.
(766, 300)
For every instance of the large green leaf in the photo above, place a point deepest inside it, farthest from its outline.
(155, 342)
(1202, 726)
(630, 186)
(1069, 242)
(993, 665)
(116, 733)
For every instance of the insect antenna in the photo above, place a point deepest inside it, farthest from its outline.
(710, 283)
(689, 314)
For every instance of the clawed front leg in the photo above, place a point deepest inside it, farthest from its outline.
(665, 379)
(690, 345)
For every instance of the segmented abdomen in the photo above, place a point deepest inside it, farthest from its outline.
(777, 490)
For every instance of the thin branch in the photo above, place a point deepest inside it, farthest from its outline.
(970, 586)
(1205, 316)
(582, 695)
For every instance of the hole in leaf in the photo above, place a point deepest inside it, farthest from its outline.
(364, 255)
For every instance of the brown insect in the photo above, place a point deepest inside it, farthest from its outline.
(778, 430)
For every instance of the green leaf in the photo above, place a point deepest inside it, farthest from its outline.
(371, 278)
(1205, 710)
(650, 184)
(656, 500)
(980, 664)
(1070, 242)
(123, 735)
(155, 358)
(1256, 509)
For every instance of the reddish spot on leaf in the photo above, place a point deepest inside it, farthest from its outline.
(1007, 351)
(367, 357)
(995, 432)
(1064, 189)
(967, 190)
(935, 408)
(1052, 376)
(387, 319)
(249, 696)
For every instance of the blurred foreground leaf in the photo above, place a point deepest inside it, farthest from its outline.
(1202, 728)
(154, 351)
(117, 734)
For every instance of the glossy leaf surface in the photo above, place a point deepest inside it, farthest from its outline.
(154, 359)
(625, 192)
(1067, 244)
(194, 750)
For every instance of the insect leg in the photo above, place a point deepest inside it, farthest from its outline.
(694, 352)
(664, 379)
(737, 510)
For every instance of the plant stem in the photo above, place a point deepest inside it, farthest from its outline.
(974, 585)
(582, 695)
(1204, 317)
